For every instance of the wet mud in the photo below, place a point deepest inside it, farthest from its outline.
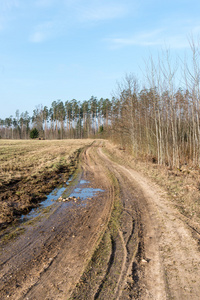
(45, 238)
(19, 197)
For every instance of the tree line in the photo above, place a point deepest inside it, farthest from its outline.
(159, 122)
(70, 119)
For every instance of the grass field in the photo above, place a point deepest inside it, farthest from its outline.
(31, 168)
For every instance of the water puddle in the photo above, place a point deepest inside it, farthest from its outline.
(79, 192)
(85, 193)
(84, 181)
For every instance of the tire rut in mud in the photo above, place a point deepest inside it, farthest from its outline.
(118, 276)
(110, 264)
(132, 240)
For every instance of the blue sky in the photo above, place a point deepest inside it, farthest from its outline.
(65, 49)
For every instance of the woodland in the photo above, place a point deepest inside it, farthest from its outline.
(158, 122)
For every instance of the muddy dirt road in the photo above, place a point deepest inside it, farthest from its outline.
(127, 242)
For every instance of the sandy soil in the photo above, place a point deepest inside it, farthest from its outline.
(84, 252)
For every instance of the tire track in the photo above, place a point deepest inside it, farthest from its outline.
(128, 254)
(118, 289)
(110, 263)
(139, 250)
(171, 258)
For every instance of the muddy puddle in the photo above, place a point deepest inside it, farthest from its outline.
(84, 193)
(81, 191)
(78, 191)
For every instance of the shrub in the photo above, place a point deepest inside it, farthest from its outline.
(101, 129)
(34, 133)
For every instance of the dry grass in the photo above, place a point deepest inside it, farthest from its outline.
(181, 185)
(24, 158)
(30, 169)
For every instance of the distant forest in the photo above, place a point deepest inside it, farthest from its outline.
(159, 122)
(71, 119)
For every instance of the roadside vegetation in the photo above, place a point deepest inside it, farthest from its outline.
(31, 169)
(181, 185)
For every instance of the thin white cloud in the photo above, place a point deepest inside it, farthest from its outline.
(158, 37)
(88, 10)
(37, 37)
(140, 39)
(97, 10)
(196, 30)
(102, 12)
(74, 13)
(45, 3)
(42, 32)
(6, 5)
(178, 41)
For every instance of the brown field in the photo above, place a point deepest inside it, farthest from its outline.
(31, 168)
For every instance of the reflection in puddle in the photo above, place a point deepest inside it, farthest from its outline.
(55, 194)
(80, 192)
(85, 193)
(84, 181)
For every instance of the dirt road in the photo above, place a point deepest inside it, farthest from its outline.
(128, 242)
